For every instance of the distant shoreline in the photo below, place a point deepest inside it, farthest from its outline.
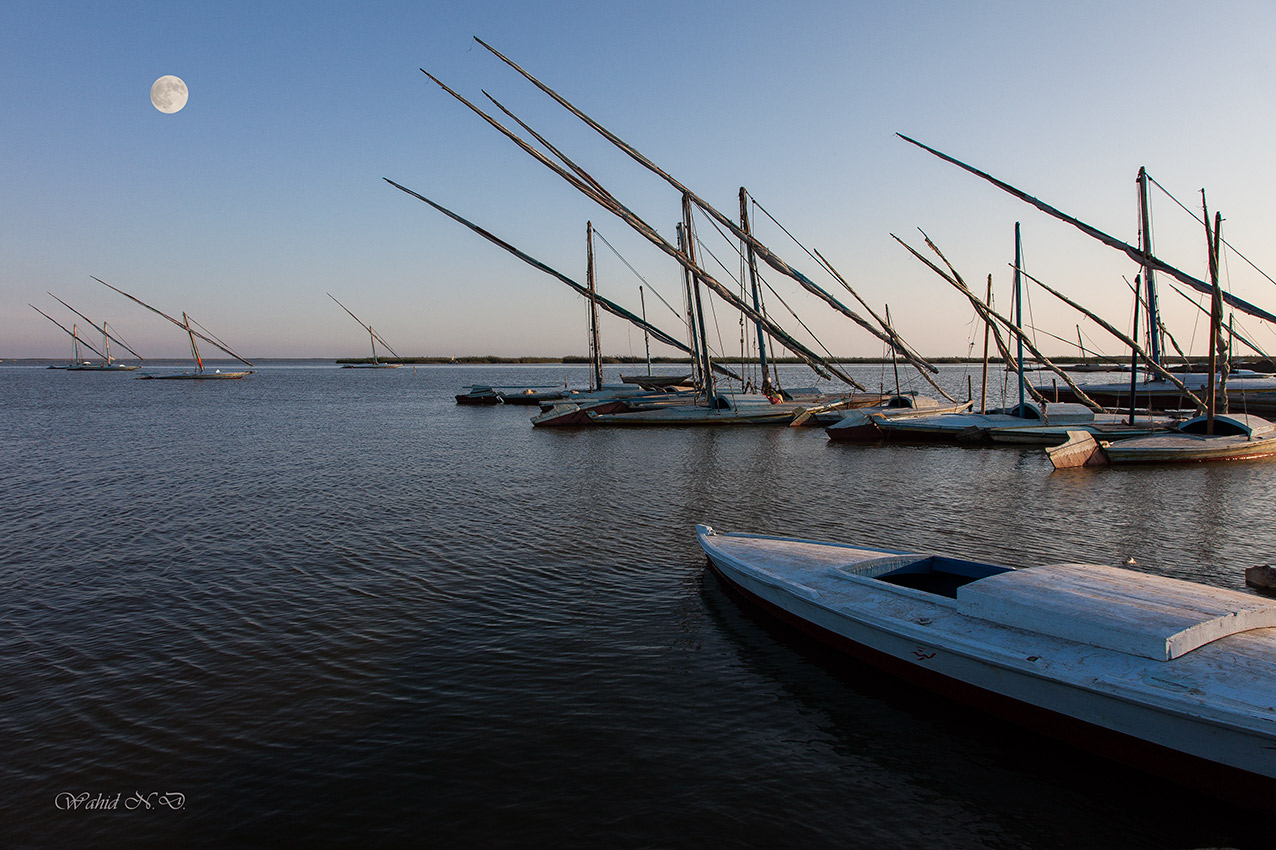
(576, 360)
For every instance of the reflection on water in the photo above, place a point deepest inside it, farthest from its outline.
(332, 607)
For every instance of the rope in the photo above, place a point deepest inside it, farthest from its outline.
(1197, 219)
(637, 275)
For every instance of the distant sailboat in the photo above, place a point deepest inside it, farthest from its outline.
(78, 363)
(374, 338)
(185, 324)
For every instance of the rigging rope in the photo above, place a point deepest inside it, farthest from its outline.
(1197, 219)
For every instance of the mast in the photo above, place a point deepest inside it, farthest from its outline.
(595, 354)
(607, 304)
(983, 384)
(183, 325)
(1216, 307)
(194, 348)
(752, 260)
(1155, 342)
(646, 337)
(1019, 312)
(689, 248)
(894, 358)
(375, 336)
(1130, 251)
(69, 331)
(1134, 352)
(91, 322)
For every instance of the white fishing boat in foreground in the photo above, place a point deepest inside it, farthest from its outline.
(1171, 676)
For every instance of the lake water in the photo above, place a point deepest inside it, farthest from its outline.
(330, 608)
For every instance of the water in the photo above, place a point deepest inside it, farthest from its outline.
(332, 608)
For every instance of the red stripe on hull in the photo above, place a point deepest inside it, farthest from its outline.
(1230, 784)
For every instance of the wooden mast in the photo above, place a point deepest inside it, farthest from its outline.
(752, 260)
(1134, 352)
(1133, 253)
(1216, 308)
(763, 251)
(689, 248)
(183, 325)
(105, 332)
(75, 350)
(646, 337)
(606, 303)
(595, 352)
(1019, 315)
(983, 382)
(1127, 340)
(199, 361)
(1155, 343)
(986, 312)
(609, 203)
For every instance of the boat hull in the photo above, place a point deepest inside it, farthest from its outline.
(1231, 761)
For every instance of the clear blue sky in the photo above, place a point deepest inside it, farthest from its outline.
(266, 191)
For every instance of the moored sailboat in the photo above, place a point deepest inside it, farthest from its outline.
(374, 338)
(200, 373)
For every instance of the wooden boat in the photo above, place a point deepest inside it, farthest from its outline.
(479, 395)
(730, 409)
(1166, 675)
(1108, 426)
(200, 373)
(950, 428)
(374, 337)
(1252, 393)
(657, 382)
(78, 363)
(857, 425)
(1235, 437)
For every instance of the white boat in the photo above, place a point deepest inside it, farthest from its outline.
(1236, 436)
(1167, 675)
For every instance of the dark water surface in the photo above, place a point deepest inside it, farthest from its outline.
(331, 608)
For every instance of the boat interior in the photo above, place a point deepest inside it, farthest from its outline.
(935, 574)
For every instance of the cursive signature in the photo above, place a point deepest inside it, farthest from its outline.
(66, 801)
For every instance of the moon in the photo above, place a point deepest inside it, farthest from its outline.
(169, 94)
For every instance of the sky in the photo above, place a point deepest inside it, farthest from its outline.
(266, 191)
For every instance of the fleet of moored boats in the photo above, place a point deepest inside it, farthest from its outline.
(1173, 676)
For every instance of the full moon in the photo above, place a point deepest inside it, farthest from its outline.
(169, 94)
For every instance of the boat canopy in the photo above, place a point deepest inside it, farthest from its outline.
(1228, 424)
(1117, 609)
